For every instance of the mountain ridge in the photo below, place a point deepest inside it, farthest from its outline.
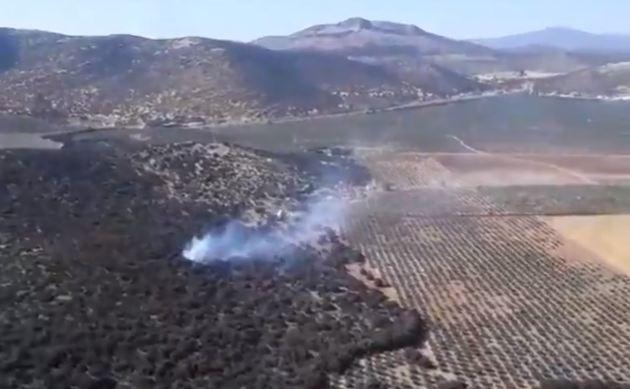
(126, 80)
(410, 46)
(130, 80)
(359, 33)
(353, 65)
(565, 38)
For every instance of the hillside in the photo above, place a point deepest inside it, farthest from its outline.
(129, 80)
(533, 59)
(406, 50)
(123, 80)
(409, 47)
(612, 81)
(357, 36)
(562, 38)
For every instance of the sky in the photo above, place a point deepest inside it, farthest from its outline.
(245, 20)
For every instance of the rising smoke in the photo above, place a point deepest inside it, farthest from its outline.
(235, 240)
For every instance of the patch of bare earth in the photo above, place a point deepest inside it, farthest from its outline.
(604, 169)
(604, 236)
(506, 170)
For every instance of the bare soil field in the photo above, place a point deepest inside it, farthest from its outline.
(504, 170)
(602, 168)
(585, 163)
(605, 236)
(406, 170)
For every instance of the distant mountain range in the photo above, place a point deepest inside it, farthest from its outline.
(405, 48)
(359, 37)
(561, 38)
(610, 79)
(353, 65)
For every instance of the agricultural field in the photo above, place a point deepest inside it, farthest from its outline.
(514, 297)
(561, 200)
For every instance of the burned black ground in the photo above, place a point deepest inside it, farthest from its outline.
(95, 294)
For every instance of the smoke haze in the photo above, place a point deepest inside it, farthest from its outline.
(236, 240)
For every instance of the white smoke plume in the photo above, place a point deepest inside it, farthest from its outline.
(237, 241)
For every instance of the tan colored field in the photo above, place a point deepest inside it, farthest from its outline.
(605, 236)
(501, 170)
(585, 163)
(407, 170)
(605, 169)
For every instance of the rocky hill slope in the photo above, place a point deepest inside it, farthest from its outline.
(129, 80)
(122, 80)
(359, 36)
(406, 50)
(408, 46)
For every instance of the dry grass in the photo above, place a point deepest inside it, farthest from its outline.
(605, 236)
(504, 170)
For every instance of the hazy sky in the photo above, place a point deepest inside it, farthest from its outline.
(248, 19)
